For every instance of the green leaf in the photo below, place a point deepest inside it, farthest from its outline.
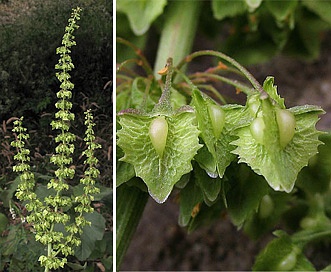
(130, 204)
(12, 241)
(3, 222)
(251, 47)
(90, 235)
(103, 247)
(123, 30)
(190, 196)
(141, 14)
(207, 215)
(6, 196)
(283, 11)
(159, 173)
(206, 161)
(321, 8)
(228, 8)
(183, 181)
(124, 171)
(245, 193)
(280, 166)
(210, 187)
(271, 89)
(305, 38)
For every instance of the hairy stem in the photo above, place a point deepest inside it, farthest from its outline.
(229, 81)
(220, 55)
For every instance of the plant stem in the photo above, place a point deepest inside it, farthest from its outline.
(306, 238)
(234, 83)
(164, 104)
(145, 63)
(130, 204)
(220, 55)
(178, 32)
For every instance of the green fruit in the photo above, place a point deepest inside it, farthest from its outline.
(286, 126)
(257, 128)
(158, 132)
(217, 117)
(266, 207)
(288, 262)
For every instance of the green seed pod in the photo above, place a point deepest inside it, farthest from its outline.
(158, 132)
(266, 207)
(217, 117)
(288, 262)
(257, 128)
(286, 126)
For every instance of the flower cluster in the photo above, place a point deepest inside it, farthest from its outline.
(25, 188)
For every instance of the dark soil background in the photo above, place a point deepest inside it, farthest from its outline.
(160, 244)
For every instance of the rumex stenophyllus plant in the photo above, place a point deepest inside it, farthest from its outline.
(54, 226)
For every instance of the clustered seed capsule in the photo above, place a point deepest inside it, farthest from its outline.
(158, 132)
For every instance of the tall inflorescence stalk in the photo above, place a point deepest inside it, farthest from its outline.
(46, 215)
(91, 172)
(25, 190)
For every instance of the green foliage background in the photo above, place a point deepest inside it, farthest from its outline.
(27, 57)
